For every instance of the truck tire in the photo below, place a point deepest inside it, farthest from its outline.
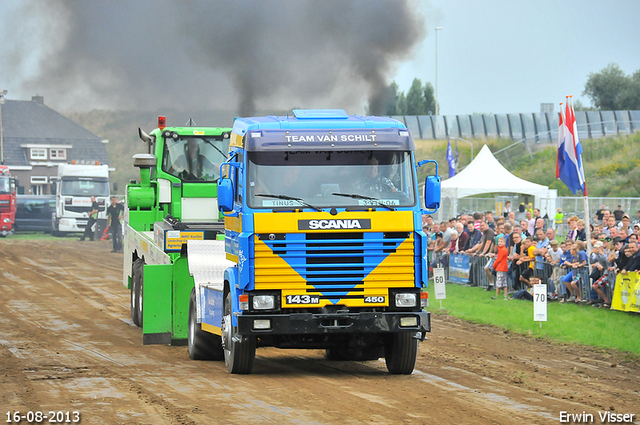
(202, 345)
(401, 352)
(136, 277)
(140, 292)
(239, 352)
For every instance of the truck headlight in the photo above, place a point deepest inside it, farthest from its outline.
(263, 302)
(7, 220)
(405, 299)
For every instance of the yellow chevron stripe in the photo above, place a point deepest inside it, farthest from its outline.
(381, 221)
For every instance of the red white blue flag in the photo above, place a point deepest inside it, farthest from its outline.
(569, 167)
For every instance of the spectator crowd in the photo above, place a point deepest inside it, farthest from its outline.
(530, 251)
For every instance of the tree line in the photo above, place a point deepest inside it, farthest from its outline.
(609, 90)
(612, 90)
(419, 100)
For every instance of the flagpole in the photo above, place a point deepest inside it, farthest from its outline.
(587, 214)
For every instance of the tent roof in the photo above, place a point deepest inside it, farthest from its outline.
(486, 175)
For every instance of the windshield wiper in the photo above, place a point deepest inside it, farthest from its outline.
(358, 196)
(288, 198)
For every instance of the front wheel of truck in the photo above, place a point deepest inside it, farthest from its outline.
(401, 352)
(239, 351)
(202, 345)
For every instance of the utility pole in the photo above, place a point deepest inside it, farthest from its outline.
(2, 95)
(437, 108)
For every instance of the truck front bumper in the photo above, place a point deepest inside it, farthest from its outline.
(308, 323)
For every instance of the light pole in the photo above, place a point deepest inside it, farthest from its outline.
(437, 108)
(2, 94)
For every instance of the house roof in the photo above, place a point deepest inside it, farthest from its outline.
(34, 123)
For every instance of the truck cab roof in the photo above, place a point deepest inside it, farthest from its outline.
(322, 129)
(314, 118)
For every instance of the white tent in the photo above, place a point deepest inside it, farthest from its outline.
(486, 175)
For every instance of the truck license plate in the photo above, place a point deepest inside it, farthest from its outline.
(303, 299)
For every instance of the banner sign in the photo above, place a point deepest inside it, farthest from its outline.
(626, 295)
(459, 268)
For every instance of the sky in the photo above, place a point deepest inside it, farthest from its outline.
(509, 56)
(493, 56)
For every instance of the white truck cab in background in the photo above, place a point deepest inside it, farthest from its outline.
(75, 186)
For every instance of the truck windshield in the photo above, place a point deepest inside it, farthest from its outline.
(5, 185)
(324, 179)
(194, 159)
(85, 186)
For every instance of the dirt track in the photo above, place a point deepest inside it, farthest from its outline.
(67, 344)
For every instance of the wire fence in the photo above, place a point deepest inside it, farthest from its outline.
(524, 127)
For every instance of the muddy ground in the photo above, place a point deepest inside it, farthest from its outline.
(67, 344)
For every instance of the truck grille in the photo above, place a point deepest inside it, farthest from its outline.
(77, 209)
(333, 264)
(5, 205)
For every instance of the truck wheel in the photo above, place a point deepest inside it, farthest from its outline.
(401, 352)
(140, 292)
(136, 276)
(239, 351)
(202, 345)
(132, 298)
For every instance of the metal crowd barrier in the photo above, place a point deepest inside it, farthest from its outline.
(551, 275)
(440, 259)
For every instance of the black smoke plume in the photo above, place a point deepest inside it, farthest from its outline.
(236, 55)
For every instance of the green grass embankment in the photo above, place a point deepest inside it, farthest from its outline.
(568, 323)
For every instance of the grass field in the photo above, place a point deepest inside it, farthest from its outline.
(569, 323)
(26, 236)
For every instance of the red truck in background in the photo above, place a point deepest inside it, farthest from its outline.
(7, 201)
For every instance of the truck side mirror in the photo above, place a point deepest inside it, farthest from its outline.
(115, 187)
(225, 194)
(432, 192)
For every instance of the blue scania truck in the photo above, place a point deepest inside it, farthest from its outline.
(323, 246)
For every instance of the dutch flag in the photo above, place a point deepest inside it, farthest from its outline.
(569, 167)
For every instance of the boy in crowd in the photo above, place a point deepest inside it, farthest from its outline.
(526, 258)
(501, 266)
(553, 257)
(600, 274)
(527, 294)
(572, 279)
(572, 235)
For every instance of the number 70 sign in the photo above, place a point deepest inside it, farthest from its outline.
(540, 303)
